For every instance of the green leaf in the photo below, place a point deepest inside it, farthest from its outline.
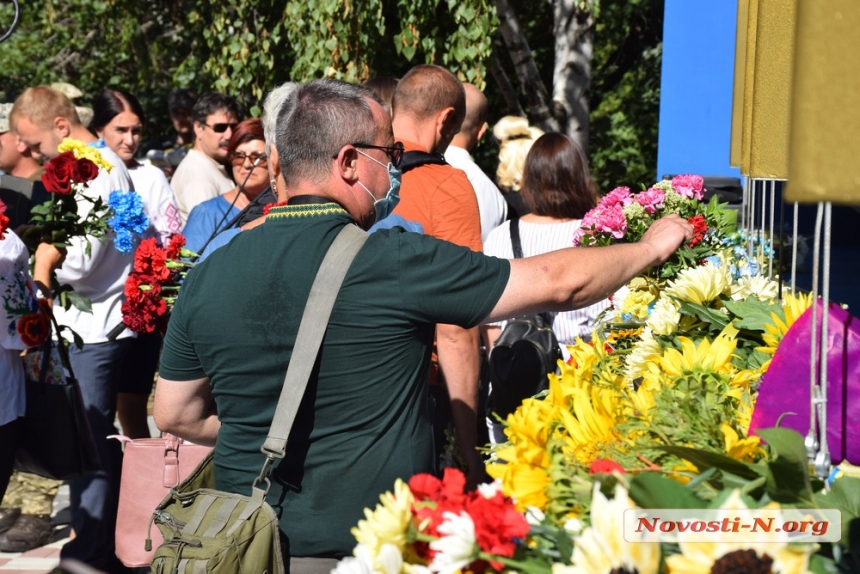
(717, 319)
(819, 564)
(789, 469)
(80, 303)
(753, 314)
(653, 490)
(705, 460)
(844, 495)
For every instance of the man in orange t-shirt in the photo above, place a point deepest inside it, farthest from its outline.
(429, 106)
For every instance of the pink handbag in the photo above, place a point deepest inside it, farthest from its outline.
(150, 468)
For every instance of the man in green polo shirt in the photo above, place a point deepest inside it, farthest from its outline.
(363, 421)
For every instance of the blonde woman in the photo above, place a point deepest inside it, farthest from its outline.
(515, 137)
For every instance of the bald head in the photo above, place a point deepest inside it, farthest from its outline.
(427, 90)
(476, 111)
(429, 105)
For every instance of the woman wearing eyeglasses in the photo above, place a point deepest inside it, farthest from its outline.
(247, 155)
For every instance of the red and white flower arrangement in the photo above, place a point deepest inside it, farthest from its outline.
(433, 525)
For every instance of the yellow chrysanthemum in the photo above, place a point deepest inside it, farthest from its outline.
(700, 285)
(389, 522)
(526, 484)
(636, 304)
(706, 356)
(84, 151)
(644, 352)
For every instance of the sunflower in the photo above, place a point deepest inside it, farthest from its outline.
(792, 308)
(587, 404)
(602, 547)
(707, 356)
(741, 449)
(736, 556)
(522, 465)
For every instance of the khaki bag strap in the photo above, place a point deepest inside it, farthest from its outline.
(308, 340)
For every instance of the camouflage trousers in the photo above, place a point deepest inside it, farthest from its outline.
(32, 494)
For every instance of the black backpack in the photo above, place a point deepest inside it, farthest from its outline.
(523, 355)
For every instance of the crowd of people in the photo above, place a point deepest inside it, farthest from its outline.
(402, 357)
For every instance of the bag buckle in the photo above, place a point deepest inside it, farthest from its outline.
(264, 475)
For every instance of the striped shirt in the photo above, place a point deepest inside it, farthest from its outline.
(536, 239)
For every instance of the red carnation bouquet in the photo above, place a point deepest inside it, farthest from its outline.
(4, 221)
(153, 286)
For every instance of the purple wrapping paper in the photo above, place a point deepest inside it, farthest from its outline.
(785, 386)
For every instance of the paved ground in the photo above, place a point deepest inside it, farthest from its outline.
(47, 557)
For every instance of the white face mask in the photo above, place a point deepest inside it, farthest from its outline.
(383, 207)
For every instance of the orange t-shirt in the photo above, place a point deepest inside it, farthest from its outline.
(442, 200)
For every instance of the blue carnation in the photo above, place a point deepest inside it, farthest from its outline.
(129, 219)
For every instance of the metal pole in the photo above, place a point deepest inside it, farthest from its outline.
(811, 440)
(770, 236)
(822, 459)
(794, 250)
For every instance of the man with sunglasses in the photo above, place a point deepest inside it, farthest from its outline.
(202, 174)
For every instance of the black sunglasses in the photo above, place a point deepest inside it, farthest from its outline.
(221, 128)
(395, 152)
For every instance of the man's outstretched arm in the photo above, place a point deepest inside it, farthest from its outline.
(576, 277)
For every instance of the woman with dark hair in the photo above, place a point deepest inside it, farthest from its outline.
(558, 190)
(247, 154)
(118, 119)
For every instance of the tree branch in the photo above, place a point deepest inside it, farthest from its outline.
(504, 84)
(532, 87)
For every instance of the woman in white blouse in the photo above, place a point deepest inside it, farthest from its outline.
(557, 188)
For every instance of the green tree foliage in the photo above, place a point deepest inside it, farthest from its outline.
(245, 47)
(625, 93)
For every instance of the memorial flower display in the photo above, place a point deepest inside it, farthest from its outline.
(653, 412)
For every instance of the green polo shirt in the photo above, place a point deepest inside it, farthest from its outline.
(364, 419)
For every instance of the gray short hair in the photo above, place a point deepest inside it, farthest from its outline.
(272, 106)
(324, 116)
